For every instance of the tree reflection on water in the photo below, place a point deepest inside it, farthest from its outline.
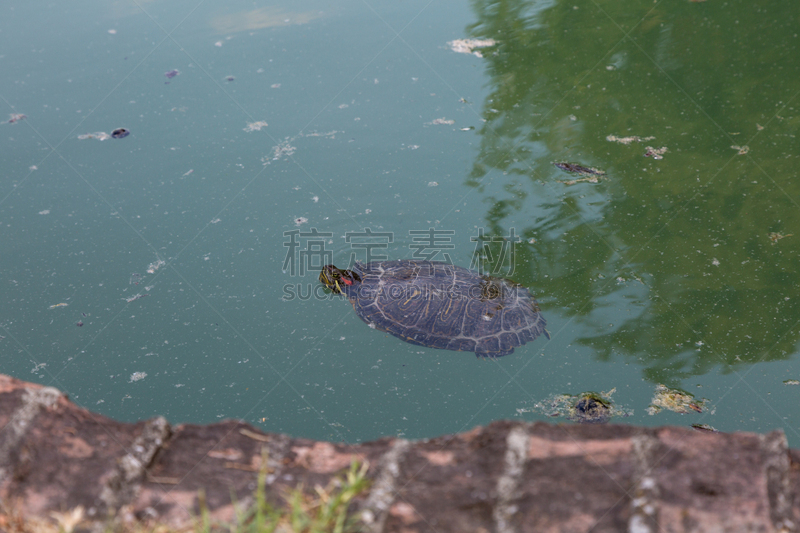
(679, 252)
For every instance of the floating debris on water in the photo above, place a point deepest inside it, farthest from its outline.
(135, 297)
(628, 140)
(15, 117)
(776, 236)
(439, 121)
(54, 306)
(99, 135)
(468, 128)
(155, 265)
(284, 149)
(674, 400)
(705, 427)
(299, 221)
(791, 382)
(44, 212)
(590, 179)
(742, 149)
(229, 78)
(172, 73)
(433, 184)
(119, 133)
(656, 153)
(585, 408)
(468, 46)
(255, 126)
(136, 376)
(330, 134)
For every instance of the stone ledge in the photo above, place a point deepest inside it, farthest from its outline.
(505, 477)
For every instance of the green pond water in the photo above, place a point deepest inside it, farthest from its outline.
(296, 133)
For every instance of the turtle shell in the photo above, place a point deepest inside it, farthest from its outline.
(440, 305)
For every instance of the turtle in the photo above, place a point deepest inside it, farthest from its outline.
(439, 305)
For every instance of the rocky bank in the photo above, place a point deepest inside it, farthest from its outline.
(505, 477)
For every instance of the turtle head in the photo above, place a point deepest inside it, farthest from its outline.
(338, 280)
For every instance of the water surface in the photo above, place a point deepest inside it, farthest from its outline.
(251, 121)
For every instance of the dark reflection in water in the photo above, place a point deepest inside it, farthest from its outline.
(672, 259)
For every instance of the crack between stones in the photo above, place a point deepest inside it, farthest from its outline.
(123, 485)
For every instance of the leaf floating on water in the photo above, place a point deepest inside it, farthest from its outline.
(705, 427)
